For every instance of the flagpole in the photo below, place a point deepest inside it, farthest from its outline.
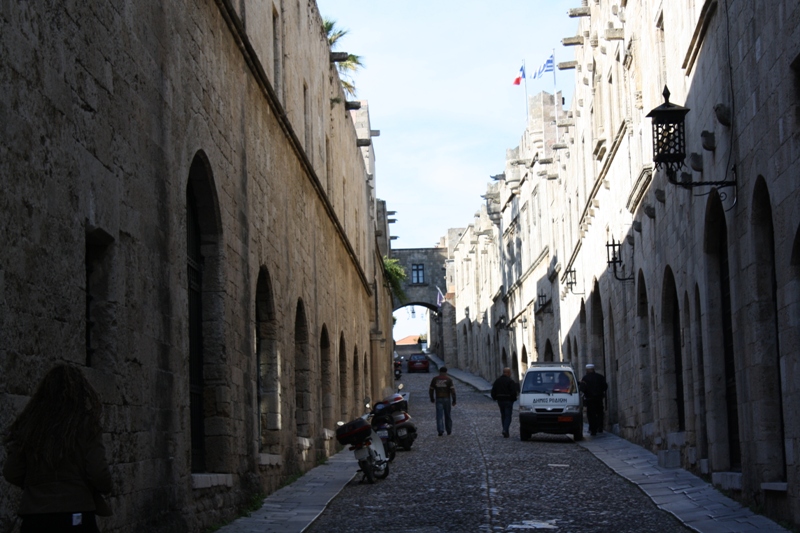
(554, 71)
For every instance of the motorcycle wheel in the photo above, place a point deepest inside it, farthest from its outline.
(407, 446)
(391, 451)
(381, 471)
(368, 470)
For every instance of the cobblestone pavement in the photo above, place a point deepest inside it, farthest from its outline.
(476, 481)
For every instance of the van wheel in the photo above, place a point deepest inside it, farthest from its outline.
(524, 435)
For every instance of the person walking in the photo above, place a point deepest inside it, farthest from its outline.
(55, 454)
(594, 386)
(441, 391)
(505, 391)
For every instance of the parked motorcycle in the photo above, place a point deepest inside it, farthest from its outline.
(383, 423)
(366, 445)
(402, 430)
(398, 369)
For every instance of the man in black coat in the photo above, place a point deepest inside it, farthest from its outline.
(594, 386)
(505, 391)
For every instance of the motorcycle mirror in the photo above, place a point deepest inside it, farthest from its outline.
(400, 386)
(340, 423)
(367, 401)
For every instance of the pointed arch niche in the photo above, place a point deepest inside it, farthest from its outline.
(268, 364)
(763, 367)
(673, 408)
(328, 379)
(304, 400)
(206, 310)
(643, 353)
(725, 443)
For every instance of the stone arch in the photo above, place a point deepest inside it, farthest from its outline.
(583, 334)
(643, 353)
(269, 392)
(700, 376)
(724, 400)
(673, 408)
(303, 374)
(763, 370)
(358, 391)
(327, 379)
(463, 352)
(367, 376)
(206, 311)
(612, 375)
(524, 363)
(344, 384)
(567, 351)
(548, 350)
(597, 348)
(515, 366)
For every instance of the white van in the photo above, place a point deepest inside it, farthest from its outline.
(550, 402)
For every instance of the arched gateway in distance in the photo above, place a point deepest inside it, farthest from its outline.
(426, 286)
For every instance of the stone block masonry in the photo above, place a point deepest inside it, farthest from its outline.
(167, 226)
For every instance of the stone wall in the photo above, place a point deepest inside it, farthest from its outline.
(120, 119)
(696, 323)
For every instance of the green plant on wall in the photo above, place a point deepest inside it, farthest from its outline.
(395, 276)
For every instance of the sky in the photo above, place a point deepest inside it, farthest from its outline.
(438, 76)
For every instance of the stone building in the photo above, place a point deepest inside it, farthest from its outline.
(189, 215)
(682, 287)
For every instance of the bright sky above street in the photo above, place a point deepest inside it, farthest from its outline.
(438, 75)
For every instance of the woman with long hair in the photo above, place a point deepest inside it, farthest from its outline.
(55, 453)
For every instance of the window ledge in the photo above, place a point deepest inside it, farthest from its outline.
(205, 481)
(304, 443)
(776, 486)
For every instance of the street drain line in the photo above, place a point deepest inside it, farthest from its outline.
(488, 473)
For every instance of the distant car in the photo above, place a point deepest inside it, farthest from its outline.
(419, 362)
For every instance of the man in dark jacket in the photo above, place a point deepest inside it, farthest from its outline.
(594, 386)
(441, 392)
(505, 391)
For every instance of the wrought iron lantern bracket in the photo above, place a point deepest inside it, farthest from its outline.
(669, 144)
(613, 259)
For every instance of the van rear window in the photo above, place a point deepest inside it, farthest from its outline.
(548, 381)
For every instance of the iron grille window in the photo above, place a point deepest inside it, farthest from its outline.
(417, 273)
(194, 262)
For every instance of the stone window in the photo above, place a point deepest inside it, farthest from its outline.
(100, 307)
(417, 274)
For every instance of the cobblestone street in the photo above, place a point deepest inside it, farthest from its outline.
(475, 480)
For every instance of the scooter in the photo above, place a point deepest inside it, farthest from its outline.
(367, 446)
(383, 424)
(403, 429)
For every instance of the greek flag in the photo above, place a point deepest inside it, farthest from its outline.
(548, 66)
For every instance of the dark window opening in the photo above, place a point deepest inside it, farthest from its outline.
(417, 274)
(99, 307)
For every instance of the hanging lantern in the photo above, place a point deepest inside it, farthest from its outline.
(669, 135)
